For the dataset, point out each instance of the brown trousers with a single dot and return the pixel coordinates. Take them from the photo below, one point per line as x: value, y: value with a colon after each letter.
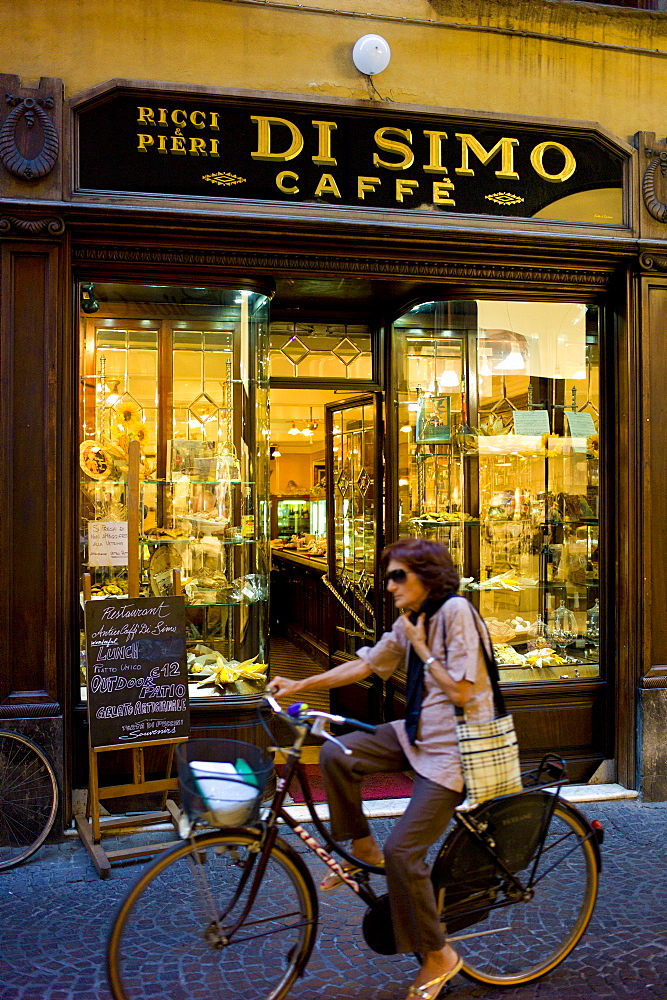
x: 413, y: 906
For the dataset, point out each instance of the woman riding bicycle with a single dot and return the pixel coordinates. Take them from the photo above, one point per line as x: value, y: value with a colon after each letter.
x: 437, y: 638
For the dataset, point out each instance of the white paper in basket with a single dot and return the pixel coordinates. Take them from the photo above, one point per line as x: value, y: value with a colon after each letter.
x: 229, y: 801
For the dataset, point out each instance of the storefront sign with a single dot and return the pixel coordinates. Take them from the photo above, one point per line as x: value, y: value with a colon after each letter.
x: 375, y: 157
x: 136, y: 670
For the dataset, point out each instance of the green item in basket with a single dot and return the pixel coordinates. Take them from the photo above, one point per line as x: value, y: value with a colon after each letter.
x: 246, y: 772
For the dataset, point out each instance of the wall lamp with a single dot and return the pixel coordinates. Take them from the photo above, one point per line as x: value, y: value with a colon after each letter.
x: 371, y: 54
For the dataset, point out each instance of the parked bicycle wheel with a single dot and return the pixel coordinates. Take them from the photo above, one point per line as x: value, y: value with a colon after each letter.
x: 503, y: 937
x: 169, y: 938
x: 28, y: 798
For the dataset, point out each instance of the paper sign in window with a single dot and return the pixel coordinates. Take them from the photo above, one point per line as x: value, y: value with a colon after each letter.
x: 107, y: 543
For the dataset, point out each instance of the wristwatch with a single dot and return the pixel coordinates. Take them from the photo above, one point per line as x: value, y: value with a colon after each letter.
x: 431, y: 659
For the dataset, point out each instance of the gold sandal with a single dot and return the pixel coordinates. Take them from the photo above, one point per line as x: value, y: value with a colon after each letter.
x: 332, y: 881
x: 424, y: 992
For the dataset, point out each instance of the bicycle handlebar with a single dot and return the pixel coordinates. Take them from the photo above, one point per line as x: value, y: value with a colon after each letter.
x: 300, y: 711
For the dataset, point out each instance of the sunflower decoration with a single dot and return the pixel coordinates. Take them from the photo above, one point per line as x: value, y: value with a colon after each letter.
x: 127, y: 419
x: 593, y: 445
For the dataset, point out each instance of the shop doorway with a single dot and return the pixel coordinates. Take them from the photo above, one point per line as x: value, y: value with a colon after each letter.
x: 301, y: 625
x: 314, y: 366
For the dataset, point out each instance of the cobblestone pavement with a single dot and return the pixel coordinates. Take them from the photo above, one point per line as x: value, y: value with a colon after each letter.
x: 55, y: 914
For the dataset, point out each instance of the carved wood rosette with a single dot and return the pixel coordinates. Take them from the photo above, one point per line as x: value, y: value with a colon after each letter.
x: 30, y: 138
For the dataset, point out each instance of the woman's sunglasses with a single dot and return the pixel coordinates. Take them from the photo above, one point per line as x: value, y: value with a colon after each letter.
x: 397, y: 575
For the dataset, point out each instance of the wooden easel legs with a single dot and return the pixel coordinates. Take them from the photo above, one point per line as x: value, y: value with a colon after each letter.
x: 92, y: 827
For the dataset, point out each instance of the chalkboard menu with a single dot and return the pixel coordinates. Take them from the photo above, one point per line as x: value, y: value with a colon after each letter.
x: 137, y: 674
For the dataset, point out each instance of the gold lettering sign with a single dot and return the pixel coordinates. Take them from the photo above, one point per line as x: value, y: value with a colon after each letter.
x: 327, y: 185
x: 324, y: 157
x: 505, y: 146
x: 569, y: 167
x: 365, y: 184
x: 285, y: 175
x: 441, y: 194
x: 434, y: 165
x: 404, y: 186
x: 390, y: 146
x: 264, y: 151
x: 197, y: 147
x: 331, y: 141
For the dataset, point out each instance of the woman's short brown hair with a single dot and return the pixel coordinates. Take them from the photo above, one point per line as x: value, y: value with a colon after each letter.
x: 431, y: 562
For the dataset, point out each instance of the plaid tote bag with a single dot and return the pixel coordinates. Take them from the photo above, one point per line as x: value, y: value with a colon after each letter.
x: 489, y: 750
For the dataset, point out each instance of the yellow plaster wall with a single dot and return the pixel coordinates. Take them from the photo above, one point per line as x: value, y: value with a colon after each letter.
x: 445, y: 53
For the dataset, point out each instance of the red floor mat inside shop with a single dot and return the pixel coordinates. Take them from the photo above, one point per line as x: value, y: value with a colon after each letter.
x: 376, y: 786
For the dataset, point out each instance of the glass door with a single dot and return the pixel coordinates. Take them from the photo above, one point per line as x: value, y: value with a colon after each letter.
x: 354, y: 519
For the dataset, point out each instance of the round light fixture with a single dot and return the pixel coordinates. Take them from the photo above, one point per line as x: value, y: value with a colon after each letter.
x: 371, y: 54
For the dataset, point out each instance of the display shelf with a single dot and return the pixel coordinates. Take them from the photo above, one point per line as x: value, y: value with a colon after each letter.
x: 428, y: 522
x: 195, y: 541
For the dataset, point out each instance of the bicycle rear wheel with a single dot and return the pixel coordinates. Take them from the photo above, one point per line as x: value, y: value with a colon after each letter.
x: 28, y: 798
x: 505, y: 941
x: 168, y: 938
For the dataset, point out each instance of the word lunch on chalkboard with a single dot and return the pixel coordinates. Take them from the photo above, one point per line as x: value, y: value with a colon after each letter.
x: 137, y: 673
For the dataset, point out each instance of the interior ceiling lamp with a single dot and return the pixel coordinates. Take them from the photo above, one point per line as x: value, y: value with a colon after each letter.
x: 294, y: 430
x: 311, y: 426
x: 484, y: 369
x: 508, y: 350
x: 449, y: 379
x: 371, y: 54
x: 513, y: 363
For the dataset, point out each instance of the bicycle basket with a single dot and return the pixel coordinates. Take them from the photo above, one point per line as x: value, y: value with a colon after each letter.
x: 222, y: 781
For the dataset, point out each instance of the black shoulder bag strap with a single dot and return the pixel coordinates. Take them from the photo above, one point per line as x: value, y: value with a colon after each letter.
x: 490, y: 661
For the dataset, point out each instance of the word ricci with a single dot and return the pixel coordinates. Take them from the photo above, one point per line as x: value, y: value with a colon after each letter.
x: 279, y: 140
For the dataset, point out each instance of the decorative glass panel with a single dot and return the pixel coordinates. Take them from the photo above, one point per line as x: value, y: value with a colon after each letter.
x: 320, y: 350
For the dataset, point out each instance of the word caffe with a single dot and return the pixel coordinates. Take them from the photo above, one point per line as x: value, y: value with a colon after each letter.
x: 279, y: 140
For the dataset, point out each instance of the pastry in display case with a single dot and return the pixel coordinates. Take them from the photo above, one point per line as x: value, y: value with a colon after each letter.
x: 499, y: 460
x: 179, y: 370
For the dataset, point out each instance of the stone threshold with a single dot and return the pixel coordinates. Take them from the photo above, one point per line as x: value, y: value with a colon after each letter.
x: 383, y: 808
x: 387, y: 808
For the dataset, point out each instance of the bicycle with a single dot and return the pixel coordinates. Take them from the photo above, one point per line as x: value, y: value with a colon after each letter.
x: 234, y: 913
x: 28, y: 798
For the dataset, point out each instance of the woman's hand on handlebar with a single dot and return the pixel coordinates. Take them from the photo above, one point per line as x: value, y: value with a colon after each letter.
x: 283, y: 687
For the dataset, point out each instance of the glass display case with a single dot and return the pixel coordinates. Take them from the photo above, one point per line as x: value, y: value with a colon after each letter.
x: 291, y: 516
x: 498, y: 429
x: 184, y: 372
x: 318, y: 518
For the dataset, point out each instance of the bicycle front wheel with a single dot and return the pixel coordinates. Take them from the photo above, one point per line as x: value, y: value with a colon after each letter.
x: 169, y: 939
x: 507, y: 941
x: 28, y: 798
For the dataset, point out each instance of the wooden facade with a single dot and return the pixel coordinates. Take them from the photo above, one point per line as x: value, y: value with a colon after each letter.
x: 54, y: 235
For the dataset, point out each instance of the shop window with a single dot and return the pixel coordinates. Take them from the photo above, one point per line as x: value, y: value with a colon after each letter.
x: 183, y: 371
x: 498, y: 431
x: 320, y: 350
